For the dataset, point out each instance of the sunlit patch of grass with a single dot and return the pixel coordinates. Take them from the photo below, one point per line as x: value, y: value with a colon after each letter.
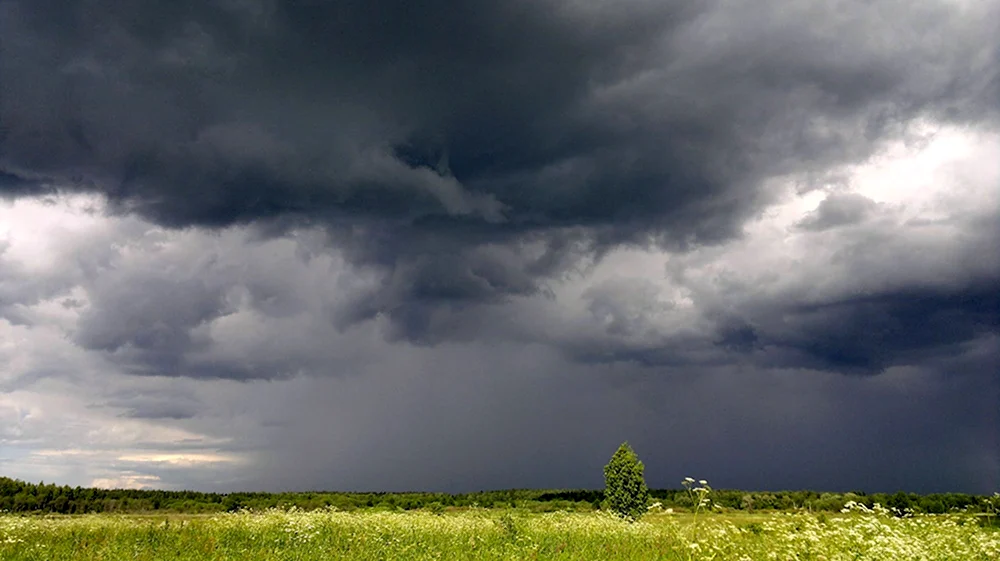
x: 496, y: 534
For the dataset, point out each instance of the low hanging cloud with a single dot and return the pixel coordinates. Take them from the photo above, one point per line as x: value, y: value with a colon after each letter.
x: 839, y: 210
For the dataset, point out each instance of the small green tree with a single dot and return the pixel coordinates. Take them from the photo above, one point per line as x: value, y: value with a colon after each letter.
x: 625, y: 491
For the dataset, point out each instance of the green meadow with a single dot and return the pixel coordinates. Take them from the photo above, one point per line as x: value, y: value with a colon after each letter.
x: 858, y: 534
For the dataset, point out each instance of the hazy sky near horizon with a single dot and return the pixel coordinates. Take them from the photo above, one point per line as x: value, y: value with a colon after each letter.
x: 306, y: 244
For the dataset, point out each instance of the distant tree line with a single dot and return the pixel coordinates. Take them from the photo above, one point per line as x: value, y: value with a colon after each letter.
x: 22, y: 497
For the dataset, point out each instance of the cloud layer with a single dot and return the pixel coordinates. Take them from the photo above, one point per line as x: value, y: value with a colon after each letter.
x: 473, y: 235
x: 421, y: 138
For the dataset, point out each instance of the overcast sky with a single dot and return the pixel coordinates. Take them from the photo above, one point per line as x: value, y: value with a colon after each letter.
x: 386, y: 245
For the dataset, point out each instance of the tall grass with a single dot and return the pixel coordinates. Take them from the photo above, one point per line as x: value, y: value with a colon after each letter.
x: 494, y: 534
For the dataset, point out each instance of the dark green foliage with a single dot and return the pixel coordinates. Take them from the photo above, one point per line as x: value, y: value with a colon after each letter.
x: 510, y: 526
x: 625, y: 492
x: 436, y: 507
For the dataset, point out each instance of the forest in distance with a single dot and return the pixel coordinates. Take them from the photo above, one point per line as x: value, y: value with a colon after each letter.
x: 18, y: 496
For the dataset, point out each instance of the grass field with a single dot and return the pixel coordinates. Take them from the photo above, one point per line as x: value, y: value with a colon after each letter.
x: 497, y: 534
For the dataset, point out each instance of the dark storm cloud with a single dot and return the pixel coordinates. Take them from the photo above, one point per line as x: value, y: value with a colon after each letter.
x: 867, y: 334
x: 420, y: 136
x: 838, y: 210
x: 164, y: 403
x: 148, y: 322
x: 863, y: 335
x: 861, y: 298
x: 13, y: 185
x: 899, y: 302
